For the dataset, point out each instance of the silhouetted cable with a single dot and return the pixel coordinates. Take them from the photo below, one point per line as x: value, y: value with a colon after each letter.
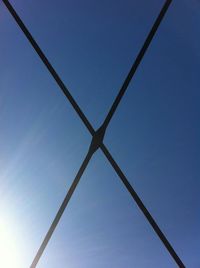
x: 142, y: 207
x: 49, y: 66
x: 97, y: 139
x: 136, y: 63
x: 61, y: 209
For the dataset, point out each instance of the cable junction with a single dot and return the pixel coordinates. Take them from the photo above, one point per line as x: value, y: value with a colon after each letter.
x: 98, y: 136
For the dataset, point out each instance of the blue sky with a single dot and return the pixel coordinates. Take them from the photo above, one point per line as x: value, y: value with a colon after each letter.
x: 154, y: 135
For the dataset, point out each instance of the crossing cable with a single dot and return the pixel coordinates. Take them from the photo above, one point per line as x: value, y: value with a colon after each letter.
x: 61, y: 209
x: 98, y: 138
x: 142, y: 207
x: 49, y: 66
x: 92, y: 149
x: 136, y: 63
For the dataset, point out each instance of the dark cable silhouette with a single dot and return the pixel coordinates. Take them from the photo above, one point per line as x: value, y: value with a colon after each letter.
x: 49, y: 67
x: 143, y: 208
x: 136, y: 63
x: 61, y: 209
x: 97, y: 140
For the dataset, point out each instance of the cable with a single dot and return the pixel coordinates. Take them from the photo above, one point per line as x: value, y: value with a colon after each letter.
x: 142, y: 207
x: 97, y: 136
x: 94, y: 145
x: 136, y: 63
x: 61, y: 209
x: 49, y: 66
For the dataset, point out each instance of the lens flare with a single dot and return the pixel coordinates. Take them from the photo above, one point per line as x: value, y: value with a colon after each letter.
x: 9, y: 247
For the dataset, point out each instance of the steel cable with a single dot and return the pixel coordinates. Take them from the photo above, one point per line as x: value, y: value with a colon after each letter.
x: 61, y: 209
x: 49, y: 66
x: 91, y: 130
x: 142, y: 207
x: 136, y: 63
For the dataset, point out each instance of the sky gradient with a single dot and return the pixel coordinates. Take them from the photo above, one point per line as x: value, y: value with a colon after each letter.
x: 154, y: 135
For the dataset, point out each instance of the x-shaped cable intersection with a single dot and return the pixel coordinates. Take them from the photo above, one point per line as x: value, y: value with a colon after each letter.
x: 98, y: 135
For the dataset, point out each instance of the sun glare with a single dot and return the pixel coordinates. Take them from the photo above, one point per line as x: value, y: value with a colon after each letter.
x: 9, y: 247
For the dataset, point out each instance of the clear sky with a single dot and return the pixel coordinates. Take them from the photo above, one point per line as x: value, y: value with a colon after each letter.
x: 154, y: 135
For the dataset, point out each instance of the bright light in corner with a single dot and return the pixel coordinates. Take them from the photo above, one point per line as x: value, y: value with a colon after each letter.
x: 9, y: 247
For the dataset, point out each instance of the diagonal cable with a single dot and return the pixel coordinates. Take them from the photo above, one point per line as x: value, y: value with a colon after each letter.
x: 142, y: 207
x: 49, y: 66
x: 77, y: 108
x: 136, y: 63
x: 61, y: 209
x: 92, y: 149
